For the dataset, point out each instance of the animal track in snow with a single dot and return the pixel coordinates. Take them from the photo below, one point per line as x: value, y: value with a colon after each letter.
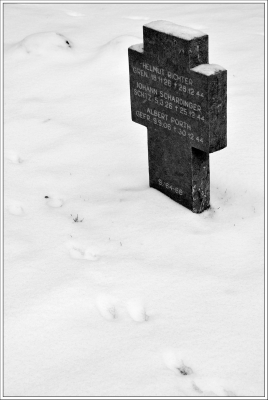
x: 15, y: 208
x: 193, y: 383
x: 175, y: 362
x: 136, y: 310
x: 77, y: 251
x: 54, y: 201
x: 106, y: 305
x: 43, y: 44
x: 91, y: 254
x: 211, y: 387
x: 14, y: 157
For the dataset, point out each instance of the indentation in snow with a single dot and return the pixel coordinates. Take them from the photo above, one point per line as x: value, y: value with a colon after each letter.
x: 91, y: 254
x: 79, y: 251
x: 14, y: 157
x: 43, y: 43
x: 209, y: 386
x: 106, y: 305
x: 55, y: 201
x: 136, y: 310
x: 175, y: 361
x: 15, y: 208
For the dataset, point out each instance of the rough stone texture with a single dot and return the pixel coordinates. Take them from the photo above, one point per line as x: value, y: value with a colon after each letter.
x: 183, y: 109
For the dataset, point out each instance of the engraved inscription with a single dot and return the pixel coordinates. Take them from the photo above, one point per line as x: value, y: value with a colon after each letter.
x: 164, y: 121
x: 170, y: 187
x: 172, y: 102
x: 181, y: 100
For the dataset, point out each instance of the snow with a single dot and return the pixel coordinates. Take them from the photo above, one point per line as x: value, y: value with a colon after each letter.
x: 138, y: 47
x: 43, y: 43
x: 208, y: 69
x: 110, y: 286
x: 182, y: 32
x: 137, y: 310
x: 107, y: 306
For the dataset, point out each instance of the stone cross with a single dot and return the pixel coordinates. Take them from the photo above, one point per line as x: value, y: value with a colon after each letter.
x: 182, y: 100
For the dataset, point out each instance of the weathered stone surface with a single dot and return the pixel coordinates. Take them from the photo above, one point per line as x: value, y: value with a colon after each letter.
x: 182, y: 101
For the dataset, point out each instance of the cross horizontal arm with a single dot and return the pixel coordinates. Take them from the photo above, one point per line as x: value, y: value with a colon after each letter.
x: 167, y: 42
x: 212, y: 80
x: 136, y: 57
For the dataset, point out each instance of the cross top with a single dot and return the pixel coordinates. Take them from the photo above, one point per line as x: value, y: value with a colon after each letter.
x: 168, y: 43
x: 182, y: 101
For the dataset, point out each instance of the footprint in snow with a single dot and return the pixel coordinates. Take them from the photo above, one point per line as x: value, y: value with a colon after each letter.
x: 106, y: 305
x: 15, y: 208
x: 211, y: 387
x: 91, y: 254
x: 42, y: 44
x: 189, y: 379
x: 176, y: 362
x: 14, y: 157
x: 77, y: 251
x: 137, y: 311
x: 54, y: 201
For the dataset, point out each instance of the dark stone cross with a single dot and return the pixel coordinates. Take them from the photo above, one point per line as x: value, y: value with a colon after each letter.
x: 182, y: 100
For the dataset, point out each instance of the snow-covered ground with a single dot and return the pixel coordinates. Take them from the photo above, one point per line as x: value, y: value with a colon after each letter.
x: 111, y: 288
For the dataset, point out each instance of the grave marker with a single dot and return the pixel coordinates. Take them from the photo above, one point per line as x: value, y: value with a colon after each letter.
x: 182, y: 100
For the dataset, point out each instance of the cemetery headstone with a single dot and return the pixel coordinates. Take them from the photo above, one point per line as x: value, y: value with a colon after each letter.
x: 182, y: 101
